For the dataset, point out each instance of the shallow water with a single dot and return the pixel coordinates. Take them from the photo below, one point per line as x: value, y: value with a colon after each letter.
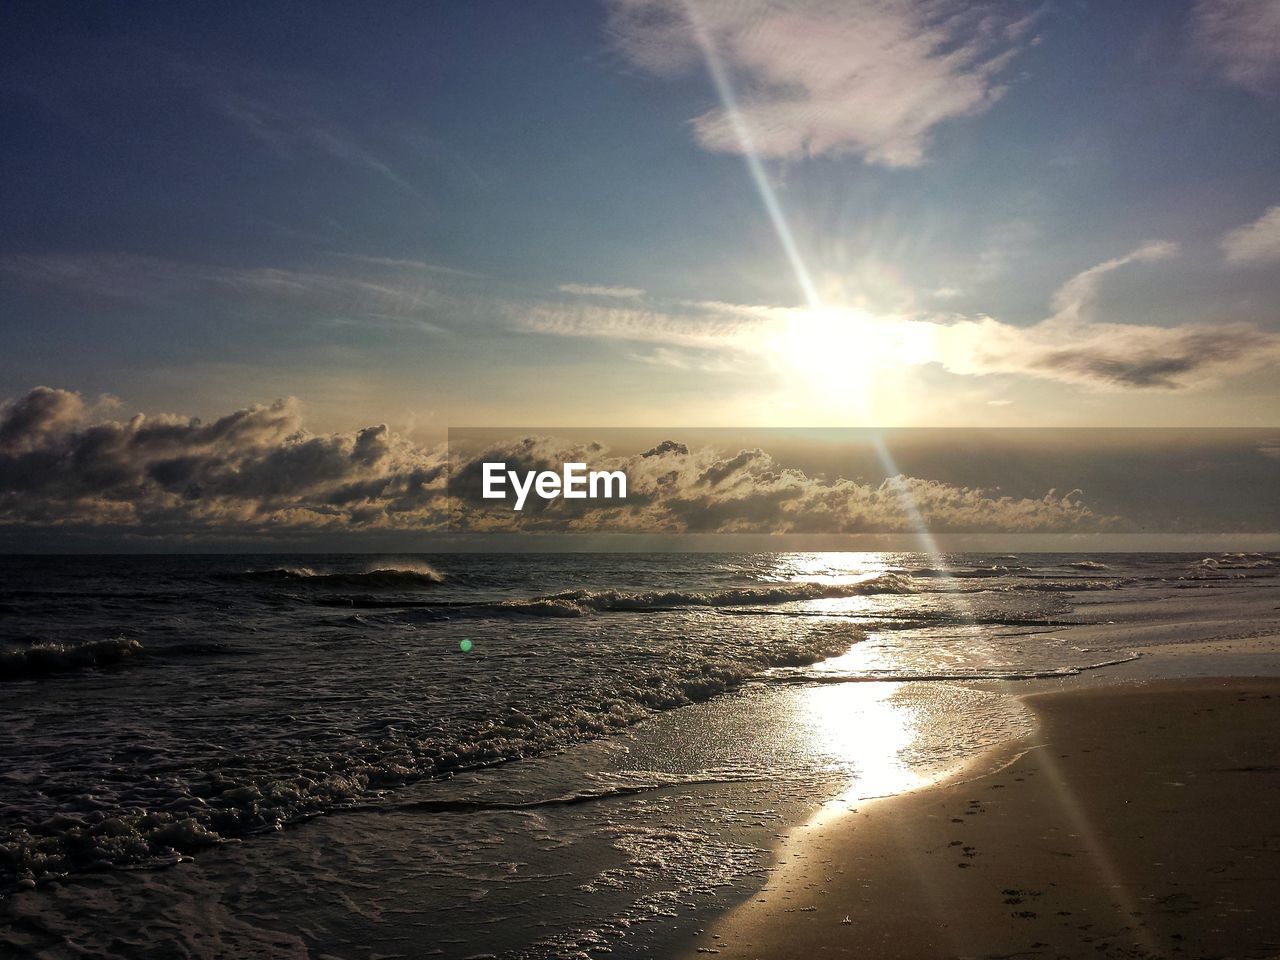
x: 671, y: 714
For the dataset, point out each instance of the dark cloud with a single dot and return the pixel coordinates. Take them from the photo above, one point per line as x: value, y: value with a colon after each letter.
x: 723, y: 469
x: 28, y: 421
x: 665, y: 447
x: 252, y: 470
x: 1170, y: 367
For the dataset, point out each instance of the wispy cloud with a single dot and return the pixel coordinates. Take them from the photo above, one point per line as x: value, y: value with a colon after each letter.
x: 423, y: 265
x: 274, y: 110
x: 1111, y: 356
x: 1078, y: 294
x: 355, y: 287
x: 1073, y: 345
x: 871, y: 78
x: 588, y: 290
x: 1257, y: 242
x: 1242, y: 39
x: 698, y: 325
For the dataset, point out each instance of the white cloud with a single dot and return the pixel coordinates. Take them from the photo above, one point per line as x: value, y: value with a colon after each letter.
x: 1257, y: 242
x: 1070, y: 346
x: 871, y: 78
x: 287, y: 127
x: 361, y: 288
x: 1106, y: 355
x: 701, y: 325
x: 589, y: 290
x: 1242, y: 38
x: 1077, y: 295
x: 828, y: 346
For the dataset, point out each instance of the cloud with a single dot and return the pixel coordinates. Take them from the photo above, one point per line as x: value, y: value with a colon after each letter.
x: 586, y: 290
x: 254, y: 470
x: 1071, y: 346
x: 1169, y: 360
x: 373, y: 289
x: 1257, y: 242
x: 674, y: 489
x: 870, y: 78
x: 1074, y: 297
x: 259, y: 472
x: 1242, y: 39
x: 709, y: 325
x: 422, y: 265
x: 287, y: 126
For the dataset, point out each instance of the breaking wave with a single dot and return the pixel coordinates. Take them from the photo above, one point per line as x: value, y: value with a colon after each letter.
x: 1067, y: 586
x: 879, y: 676
x: 42, y: 659
x: 972, y: 573
x: 576, y: 603
x: 1238, y: 561
x: 261, y: 794
x: 386, y: 578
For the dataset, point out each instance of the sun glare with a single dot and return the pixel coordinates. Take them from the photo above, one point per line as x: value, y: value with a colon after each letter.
x: 841, y: 354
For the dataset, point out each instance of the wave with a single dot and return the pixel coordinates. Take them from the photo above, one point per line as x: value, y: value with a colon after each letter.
x: 385, y: 578
x: 1237, y: 561
x: 1087, y: 565
x: 998, y: 570
x: 881, y: 676
x: 654, y: 783
x: 1067, y: 586
x: 216, y: 805
x: 580, y: 603
x: 576, y: 603
x: 42, y: 659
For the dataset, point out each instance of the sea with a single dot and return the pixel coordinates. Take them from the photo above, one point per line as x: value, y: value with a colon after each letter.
x: 518, y: 755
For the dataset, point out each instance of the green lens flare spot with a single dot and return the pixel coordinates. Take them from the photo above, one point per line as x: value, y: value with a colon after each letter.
x: 465, y: 645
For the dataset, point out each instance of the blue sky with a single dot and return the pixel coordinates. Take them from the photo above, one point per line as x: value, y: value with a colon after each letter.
x: 429, y: 214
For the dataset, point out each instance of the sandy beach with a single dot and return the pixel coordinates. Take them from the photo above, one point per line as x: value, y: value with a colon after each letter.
x: 1030, y: 765
x: 1137, y: 821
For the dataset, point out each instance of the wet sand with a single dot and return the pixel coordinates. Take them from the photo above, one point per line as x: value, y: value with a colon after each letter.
x: 1137, y: 821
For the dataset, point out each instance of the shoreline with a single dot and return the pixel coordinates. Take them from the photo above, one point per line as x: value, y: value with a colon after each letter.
x: 1164, y: 841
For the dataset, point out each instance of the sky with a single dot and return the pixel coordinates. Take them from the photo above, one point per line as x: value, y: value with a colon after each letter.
x: 749, y: 213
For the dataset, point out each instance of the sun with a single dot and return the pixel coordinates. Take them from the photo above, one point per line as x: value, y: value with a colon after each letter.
x: 843, y: 355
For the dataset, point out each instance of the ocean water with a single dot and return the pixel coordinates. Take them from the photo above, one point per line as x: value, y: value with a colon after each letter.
x: 514, y: 755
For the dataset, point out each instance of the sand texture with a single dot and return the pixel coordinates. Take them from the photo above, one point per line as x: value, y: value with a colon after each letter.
x: 1138, y: 821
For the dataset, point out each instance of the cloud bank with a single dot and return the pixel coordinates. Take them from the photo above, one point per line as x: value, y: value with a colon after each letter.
x: 870, y: 78
x: 258, y: 472
x: 677, y: 490
x: 253, y: 471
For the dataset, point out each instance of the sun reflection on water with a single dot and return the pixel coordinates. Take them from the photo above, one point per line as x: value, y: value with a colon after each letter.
x: 829, y: 567
x: 865, y: 729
